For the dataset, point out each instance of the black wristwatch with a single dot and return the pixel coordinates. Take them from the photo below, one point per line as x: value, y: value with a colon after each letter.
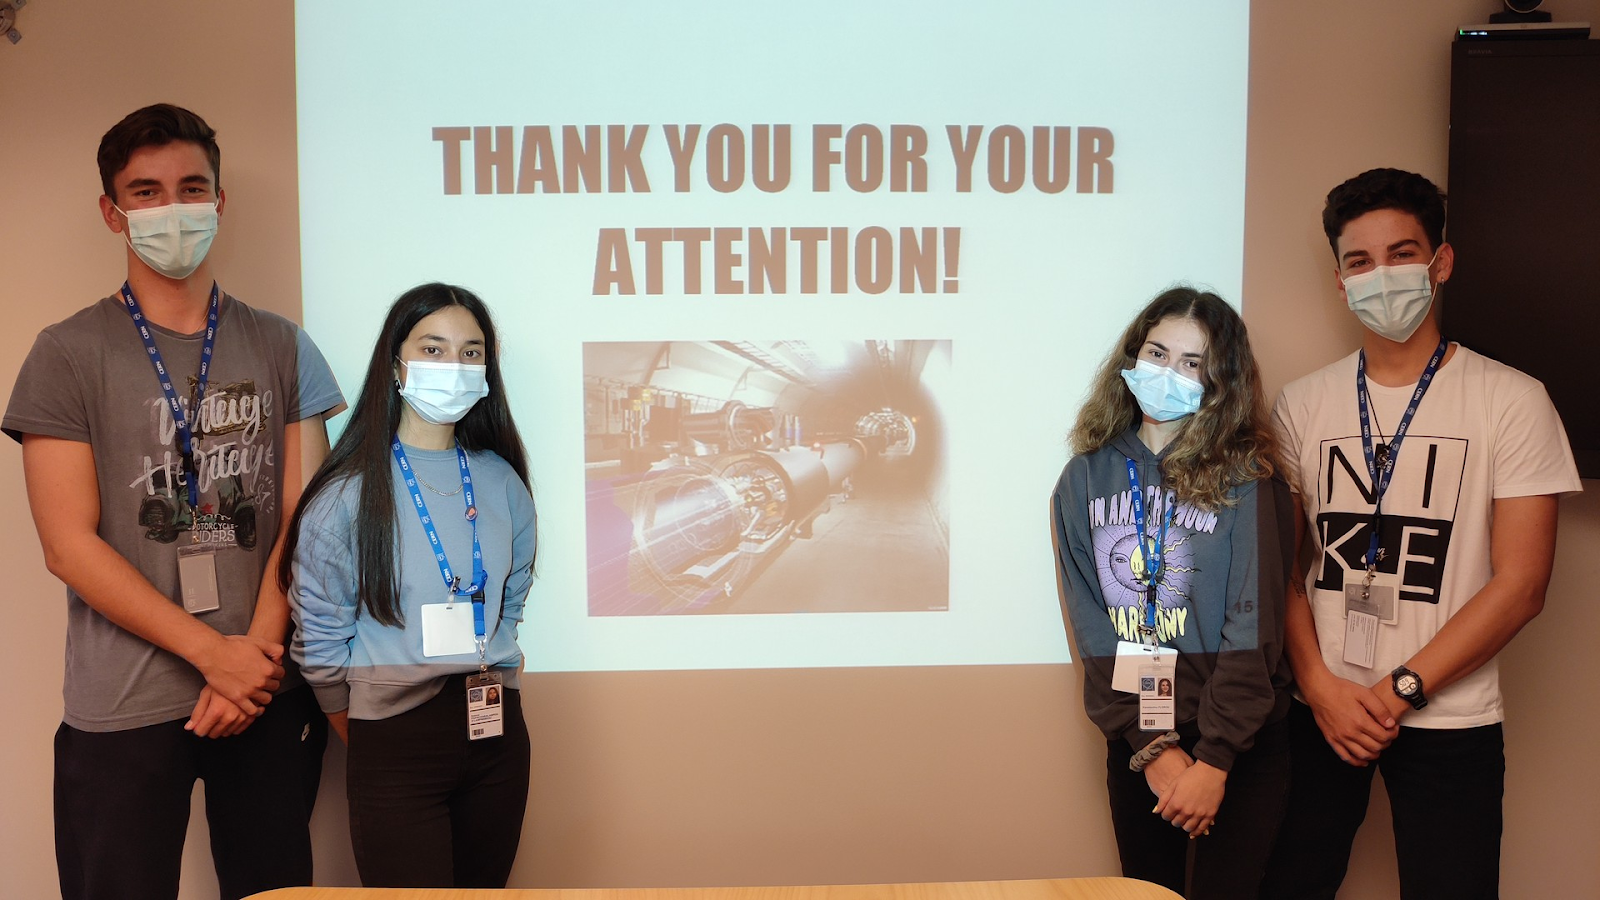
x: 1408, y: 687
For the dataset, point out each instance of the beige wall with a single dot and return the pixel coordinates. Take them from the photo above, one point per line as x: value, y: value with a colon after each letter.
x: 771, y: 776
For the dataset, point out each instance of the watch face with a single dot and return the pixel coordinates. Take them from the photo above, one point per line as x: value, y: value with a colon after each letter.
x: 1406, y: 684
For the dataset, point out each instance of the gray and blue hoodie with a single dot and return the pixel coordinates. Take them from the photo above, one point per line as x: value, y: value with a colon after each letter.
x: 1221, y: 596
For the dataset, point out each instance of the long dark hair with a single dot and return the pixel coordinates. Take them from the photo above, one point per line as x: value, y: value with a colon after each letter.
x: 1226, y: 443
x: 363, y: 450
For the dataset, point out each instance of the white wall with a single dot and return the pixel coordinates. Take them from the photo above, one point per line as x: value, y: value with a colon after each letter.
x: 771, y: 777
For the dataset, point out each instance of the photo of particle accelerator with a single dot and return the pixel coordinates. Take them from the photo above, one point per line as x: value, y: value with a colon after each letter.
x: 742, y: 477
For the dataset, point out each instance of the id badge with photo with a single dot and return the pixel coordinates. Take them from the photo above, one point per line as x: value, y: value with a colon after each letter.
x: 447, y: 629
x: 1130, y: 657
x: 486, y: 698
x: 1158, y: 689
x: 197, y: 579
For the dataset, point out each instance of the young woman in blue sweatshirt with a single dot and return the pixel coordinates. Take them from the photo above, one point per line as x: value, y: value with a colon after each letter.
x: 408, y: 562
x: 1184, y: 589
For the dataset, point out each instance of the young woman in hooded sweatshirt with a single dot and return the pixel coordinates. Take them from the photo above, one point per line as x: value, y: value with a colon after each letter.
x: 1171, y: 544
x: 408, y: 561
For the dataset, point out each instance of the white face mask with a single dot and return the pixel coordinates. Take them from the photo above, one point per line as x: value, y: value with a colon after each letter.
x: 172, y: 239
x: 1392, y: 301
x: 1162, y: 393
x: 440, y: 392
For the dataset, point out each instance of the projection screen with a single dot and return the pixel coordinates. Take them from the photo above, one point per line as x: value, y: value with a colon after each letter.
x: 797, y: 301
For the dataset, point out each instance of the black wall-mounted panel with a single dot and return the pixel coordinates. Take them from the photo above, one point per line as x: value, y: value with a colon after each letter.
x: 1524, y: 218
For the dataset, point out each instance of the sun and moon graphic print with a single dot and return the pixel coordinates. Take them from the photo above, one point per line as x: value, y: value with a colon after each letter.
x: 1120, y: 560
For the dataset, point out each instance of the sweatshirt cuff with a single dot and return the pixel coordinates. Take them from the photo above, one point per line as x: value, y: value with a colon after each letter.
x: 1215, y: 753
x: 333, y: 697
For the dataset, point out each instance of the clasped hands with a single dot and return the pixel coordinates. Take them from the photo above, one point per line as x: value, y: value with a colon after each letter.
x: 1188, y: 791
x: 1358, y: 722
x: 241, y: 672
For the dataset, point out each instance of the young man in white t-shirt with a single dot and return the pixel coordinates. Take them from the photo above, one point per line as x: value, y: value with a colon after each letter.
x: 1456, y: 462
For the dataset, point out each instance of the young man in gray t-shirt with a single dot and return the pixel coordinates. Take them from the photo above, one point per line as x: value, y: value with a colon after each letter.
x: 165, y: 434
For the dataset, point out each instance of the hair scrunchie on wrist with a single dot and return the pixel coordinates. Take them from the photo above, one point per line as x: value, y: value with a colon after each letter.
x: 1152, y: 750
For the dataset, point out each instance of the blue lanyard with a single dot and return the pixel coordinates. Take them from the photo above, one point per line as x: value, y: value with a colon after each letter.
x: 1380, y: 479
x: 451, y: 581
x: 207, y: 347
x: 1150, y: 551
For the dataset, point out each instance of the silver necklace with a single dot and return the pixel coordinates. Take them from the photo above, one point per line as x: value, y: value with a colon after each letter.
x: 439, y: 492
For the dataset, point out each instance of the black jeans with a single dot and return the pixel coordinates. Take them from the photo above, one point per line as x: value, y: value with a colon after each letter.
x: 1229, y: 861
x: 122, y: 803
x: 1445, y: 789
x: 430, y: 808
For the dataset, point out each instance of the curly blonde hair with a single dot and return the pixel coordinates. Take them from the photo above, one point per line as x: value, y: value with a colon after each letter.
x: 1229, y: 441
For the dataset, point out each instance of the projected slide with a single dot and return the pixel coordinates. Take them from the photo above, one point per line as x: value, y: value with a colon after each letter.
x: 797, y: 304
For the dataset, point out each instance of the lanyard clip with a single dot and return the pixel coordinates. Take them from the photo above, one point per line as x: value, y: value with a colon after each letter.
x: 1147, y: 634
x: 1147, y: 617
x: 480, y: 634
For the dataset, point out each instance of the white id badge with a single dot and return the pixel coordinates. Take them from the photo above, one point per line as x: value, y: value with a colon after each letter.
x: 485, y: 706
x: 1360, y: 638
x: 447, y: 629
x: 1361, y: 616
x: 197, y: 579
x: 1158, y: 682
x: 1130, y: 656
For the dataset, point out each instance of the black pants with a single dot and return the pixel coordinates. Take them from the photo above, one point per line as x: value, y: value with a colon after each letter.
x: 122, y: 803
x: 1229, y: 861
x: 1445, y: 791
x: 430, y: 808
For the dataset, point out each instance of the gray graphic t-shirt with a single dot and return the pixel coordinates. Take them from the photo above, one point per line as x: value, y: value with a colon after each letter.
x: 90, y: 379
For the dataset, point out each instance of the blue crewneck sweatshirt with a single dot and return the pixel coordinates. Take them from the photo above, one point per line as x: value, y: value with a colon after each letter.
x: 1221, y: 597
x: 377, y: 671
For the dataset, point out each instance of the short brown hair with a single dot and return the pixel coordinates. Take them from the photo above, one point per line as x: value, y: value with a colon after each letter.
x: 155, y: 126
x: 1375, y: 189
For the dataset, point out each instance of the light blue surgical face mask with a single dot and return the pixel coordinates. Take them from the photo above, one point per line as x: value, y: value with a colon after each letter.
x: 1162, y: 393
x: 1392, y: 301
x: 442, y: 393
x: 172, y: 239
